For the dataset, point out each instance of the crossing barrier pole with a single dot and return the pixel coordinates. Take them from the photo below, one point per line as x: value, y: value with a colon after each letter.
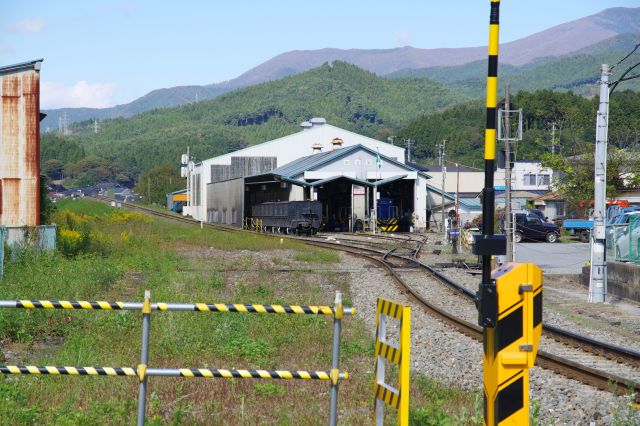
x: 335, y: 359
x: 144, y: 357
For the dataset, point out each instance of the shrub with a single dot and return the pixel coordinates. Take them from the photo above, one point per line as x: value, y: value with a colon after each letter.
x: 71, y: 243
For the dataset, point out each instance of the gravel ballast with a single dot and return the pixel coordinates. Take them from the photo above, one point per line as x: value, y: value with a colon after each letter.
x: 444, y: 354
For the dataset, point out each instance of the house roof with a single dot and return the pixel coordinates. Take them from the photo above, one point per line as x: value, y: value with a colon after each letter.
x: 522, y: 194
x: 549, y: 196
x: 470, y: 203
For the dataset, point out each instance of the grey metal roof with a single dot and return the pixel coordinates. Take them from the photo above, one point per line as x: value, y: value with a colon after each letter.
x: 303, y: 164
x: 471, y: 203
x: 298, y: 167
x: 35, y: 64
x: 439, y: 191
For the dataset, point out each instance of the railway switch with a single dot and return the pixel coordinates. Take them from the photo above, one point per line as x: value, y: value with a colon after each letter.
x: 511, y: 343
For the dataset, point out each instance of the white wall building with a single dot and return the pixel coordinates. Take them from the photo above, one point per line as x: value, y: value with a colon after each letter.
x: 527, y: 176
x: 279, y: 152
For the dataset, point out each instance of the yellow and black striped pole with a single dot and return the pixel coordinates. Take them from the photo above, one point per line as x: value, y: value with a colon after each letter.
x: 488, y: 244
x: 510, y: 298
x: 162, y: 306
x: 205, y: 373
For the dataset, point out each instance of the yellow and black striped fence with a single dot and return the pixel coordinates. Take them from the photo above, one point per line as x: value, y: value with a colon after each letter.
x: 142, y: 372
x: 170, y: 372
x: 399, y: 355
x: 160, y: 306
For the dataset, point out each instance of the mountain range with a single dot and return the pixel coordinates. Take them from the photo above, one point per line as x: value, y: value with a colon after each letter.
x: 578, y: 45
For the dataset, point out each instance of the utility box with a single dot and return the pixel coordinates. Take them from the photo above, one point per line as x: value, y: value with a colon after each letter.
x: 512, y: 343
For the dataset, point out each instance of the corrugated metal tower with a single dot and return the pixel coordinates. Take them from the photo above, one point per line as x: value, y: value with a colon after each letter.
x: 20, y: 144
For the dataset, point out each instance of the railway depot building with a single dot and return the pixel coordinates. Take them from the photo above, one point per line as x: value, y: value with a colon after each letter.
x: 359, y: 180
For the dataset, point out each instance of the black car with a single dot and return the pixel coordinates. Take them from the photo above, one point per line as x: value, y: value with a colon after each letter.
x: 533, y: 228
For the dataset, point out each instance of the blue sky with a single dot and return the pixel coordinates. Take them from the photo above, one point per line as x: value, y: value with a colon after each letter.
x: 102, y: 53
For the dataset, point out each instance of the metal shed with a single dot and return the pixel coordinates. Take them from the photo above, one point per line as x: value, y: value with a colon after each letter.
x: 20, y: 144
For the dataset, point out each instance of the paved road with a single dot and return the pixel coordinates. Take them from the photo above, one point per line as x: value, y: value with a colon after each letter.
x: 554, y: 258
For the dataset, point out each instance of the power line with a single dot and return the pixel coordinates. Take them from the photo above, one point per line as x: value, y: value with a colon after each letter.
x: 626, y: 56
x: 622, y: 78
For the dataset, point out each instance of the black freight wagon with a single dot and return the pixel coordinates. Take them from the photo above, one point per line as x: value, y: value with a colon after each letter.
x: 289, y: 217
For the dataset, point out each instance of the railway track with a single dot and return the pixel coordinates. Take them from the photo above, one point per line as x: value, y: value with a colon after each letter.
x: 586, y: 343
x: 568, y: 364
x: 571, y: 368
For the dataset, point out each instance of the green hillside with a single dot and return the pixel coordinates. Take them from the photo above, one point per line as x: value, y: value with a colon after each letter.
x: 345, y: 95
x: 463, y: 126
x: 576, y: 72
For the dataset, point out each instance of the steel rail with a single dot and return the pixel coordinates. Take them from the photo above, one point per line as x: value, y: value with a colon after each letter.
x: 589, y: 344
x: 567, y: 368
x: 588, y: 375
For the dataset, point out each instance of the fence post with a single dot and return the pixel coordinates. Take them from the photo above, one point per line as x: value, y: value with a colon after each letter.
x: 335, y: 359
x: 144, y: 357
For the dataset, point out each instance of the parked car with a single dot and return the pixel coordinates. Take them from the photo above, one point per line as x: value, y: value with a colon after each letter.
x: 623, y: 237
x: 528, y: 212
x: 624, y: 241
x: 531, y: 227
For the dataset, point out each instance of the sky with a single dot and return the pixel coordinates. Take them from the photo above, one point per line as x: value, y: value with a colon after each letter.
x: 102, y: 53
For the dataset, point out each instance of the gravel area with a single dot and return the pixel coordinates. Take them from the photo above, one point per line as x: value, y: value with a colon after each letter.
x: 446, y: 355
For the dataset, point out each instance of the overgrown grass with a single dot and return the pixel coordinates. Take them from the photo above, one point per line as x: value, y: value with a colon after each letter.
x: 83, y: 206
x: 180, y: 263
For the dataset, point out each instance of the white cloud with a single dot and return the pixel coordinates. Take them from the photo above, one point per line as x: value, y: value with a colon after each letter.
x: 402, y: 38
x: 81, y: 94
x: 5, y: 49
x: 27, y: 26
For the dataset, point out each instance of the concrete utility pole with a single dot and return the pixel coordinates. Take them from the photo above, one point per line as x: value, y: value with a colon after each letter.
x: 442, y: 148
x: 507, y: 178
x: 458, y: 224
x: 409, y: 143
x: 598, y: 271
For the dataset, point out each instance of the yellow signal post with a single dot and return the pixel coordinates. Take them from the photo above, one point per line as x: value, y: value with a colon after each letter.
x: 510, y: 346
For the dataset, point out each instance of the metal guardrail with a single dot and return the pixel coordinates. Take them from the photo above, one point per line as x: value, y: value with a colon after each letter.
x: 143, y: 372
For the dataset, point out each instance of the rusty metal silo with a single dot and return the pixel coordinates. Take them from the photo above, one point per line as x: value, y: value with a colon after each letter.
x: 20, y: 144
